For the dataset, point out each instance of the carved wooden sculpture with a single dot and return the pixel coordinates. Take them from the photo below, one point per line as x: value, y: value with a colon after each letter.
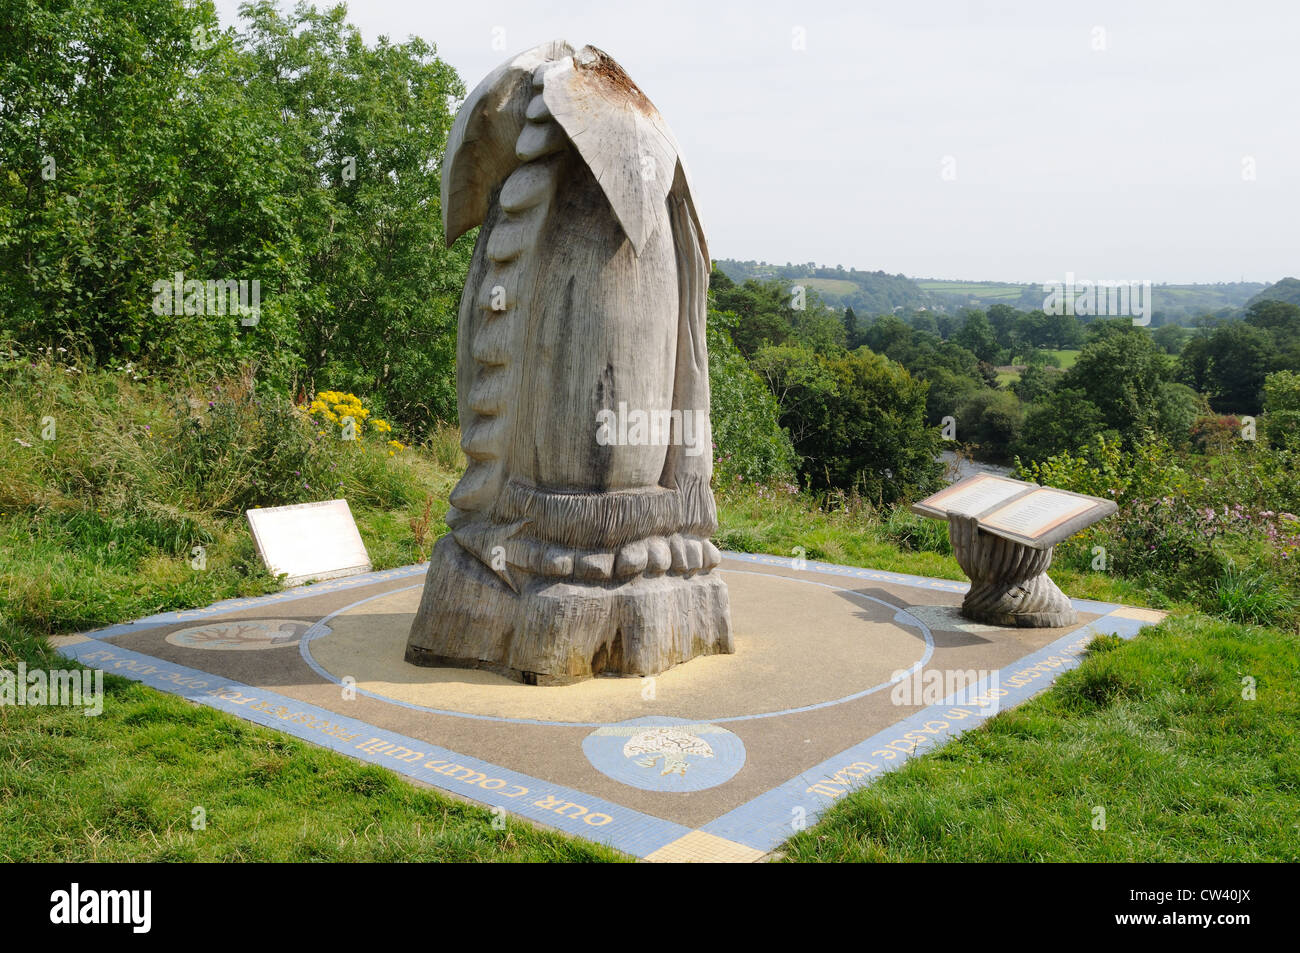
x: 579, y: 540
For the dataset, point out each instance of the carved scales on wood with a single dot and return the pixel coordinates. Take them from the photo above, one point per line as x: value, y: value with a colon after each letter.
x: 579, y: 540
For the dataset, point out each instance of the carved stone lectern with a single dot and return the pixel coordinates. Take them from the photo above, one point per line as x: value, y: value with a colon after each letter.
x: 1002, y: 534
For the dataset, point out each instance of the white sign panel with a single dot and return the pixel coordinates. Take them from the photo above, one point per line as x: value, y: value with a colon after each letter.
x: 309, y: 541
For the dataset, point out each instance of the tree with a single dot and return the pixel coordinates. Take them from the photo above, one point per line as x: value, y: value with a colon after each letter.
x: 889, y: 335
x: 857, y: 419
x: 1171, y: 338
x: 1177, y: 407
x: 138, y: 141
x: 990, y: 420
x: 1282, y: 409
x: 1239, y: 356
x: 767, y: 316
x: 1035, y: 381
x: 749, y: 443
x: 850, y: 329
x: 1062, y: 420
x: 977, y: 336
x: 362, y: 124
x: 1119, y: 374
x: 1006, y: 322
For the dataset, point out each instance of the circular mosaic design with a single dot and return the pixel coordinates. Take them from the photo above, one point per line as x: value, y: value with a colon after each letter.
x: 243, y: 635
x: 842, y: 644
x: 665, y: 754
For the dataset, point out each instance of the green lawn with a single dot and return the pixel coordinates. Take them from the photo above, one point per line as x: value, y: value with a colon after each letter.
x: 987, y: 290
x: 1067, y: 359
x: 835, y: 286
x: 1154, y: 732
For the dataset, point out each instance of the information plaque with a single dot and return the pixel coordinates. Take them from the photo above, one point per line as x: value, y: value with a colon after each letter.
x: 309, y: 541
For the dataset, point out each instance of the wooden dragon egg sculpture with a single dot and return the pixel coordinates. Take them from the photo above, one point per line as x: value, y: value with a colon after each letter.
x: 579, y: 540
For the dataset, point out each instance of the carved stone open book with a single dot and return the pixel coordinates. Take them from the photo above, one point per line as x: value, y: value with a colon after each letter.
x: 1037, y: 516
x: 579, y: 540
x: 1002, y: 533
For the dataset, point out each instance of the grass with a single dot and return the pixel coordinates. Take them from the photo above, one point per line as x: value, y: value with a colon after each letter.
x: 990, y: 290
x: 1066, y: 359
x: 835, y: 286
x: 1155, y: 732
x: 96, y: 529
x: 126, y: 786
x: 93, y: 531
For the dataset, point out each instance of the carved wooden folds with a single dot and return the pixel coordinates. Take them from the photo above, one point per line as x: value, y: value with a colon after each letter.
x: 579, y: 540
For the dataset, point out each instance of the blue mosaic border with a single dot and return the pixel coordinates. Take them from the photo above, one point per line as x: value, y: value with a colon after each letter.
x: 553, y: 804
x: 771, y: 818
x: 248, y: 602
x: 762, y: 823
x: 897, y: 578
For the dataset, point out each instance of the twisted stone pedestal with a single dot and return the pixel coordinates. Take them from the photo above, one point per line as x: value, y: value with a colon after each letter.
x: 1008, y: 580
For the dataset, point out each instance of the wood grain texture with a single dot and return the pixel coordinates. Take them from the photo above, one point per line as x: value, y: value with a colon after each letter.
x: 571, y: 555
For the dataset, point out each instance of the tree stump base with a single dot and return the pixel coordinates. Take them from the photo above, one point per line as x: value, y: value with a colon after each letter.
x: 556, y: 632
x: 1008, y: 580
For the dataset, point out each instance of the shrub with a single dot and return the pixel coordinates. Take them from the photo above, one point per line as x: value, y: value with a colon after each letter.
x: 1256, y: 598
x: 242, y: 448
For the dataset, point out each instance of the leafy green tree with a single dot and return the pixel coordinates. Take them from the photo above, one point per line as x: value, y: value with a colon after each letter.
x: 749, y: 443
x: 1281, y: 319
x: 1035, y: 381
x: 1006, y: 322
x: 1282, y: 409
x: 761, y: 309
x: 1171, y: 338
x: 1177, y: 407
x: 1120, y: 374
x: 978, y: 337
x: 850, y: 329
x: 888, y: 334
x: 948, y: 390
x: 139, y: 142
x: 989, y: 421
x: 116, y: 119
x: 1060, y: 421
x: 363, y: 125
x: 857, y: 419
x: 1240, y: 356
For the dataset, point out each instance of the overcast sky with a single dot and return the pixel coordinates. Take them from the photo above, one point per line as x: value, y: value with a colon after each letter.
x: 980, y: 140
